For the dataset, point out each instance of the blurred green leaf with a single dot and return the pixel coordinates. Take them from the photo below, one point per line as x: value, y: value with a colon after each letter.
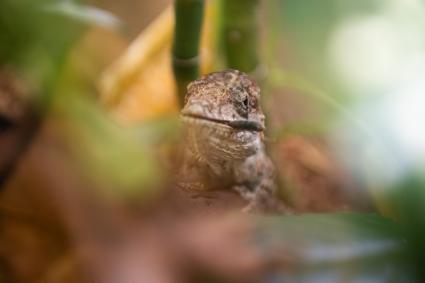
x: 406, y: 198
x: 336, y: 248
x: 306, y: 28
x: 36, y: 36
x: 123, y: 161
x: 84, y: 13
x: 285, y: 79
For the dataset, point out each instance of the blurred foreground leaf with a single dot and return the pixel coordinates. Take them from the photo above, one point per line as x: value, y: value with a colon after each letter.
x: 84, y: 13
x: 126, y: 161
x: 35, y: 40
x: 336, y: 248
x: 36, y: 36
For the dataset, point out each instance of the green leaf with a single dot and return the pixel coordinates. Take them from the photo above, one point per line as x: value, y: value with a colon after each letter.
x: 335, y: 248
x: 123, y: 161
x: 84, y: 13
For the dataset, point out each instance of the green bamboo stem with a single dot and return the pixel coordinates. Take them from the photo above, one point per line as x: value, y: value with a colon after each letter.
x: 187, y: 33
x: 240, y: 34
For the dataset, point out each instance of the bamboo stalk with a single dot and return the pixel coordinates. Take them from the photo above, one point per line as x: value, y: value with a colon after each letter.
x: 187, y: 33
x: 240, y: 34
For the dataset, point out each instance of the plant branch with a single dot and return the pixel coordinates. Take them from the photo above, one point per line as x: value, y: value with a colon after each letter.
x: 240, y: 34
x: 187, y: 34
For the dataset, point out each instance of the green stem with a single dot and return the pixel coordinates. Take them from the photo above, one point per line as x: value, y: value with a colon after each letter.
x: 240, y: 32
x: 187, y: 33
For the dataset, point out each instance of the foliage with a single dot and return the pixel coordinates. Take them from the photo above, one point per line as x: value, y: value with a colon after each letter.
x: 356, y: 60
x: 35, y: 36
x: 336, y: 247
x: 360, y: 61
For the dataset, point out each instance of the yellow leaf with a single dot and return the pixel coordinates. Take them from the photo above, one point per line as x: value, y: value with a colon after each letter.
x: 140, y: 84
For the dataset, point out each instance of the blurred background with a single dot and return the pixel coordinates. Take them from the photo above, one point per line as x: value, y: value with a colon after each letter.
x: 89, y: 136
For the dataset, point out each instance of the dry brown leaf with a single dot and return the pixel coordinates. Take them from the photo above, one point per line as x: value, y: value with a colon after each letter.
x: 140, y: 84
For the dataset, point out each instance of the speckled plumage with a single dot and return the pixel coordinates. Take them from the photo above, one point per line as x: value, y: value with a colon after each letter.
x: 223, y: 140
